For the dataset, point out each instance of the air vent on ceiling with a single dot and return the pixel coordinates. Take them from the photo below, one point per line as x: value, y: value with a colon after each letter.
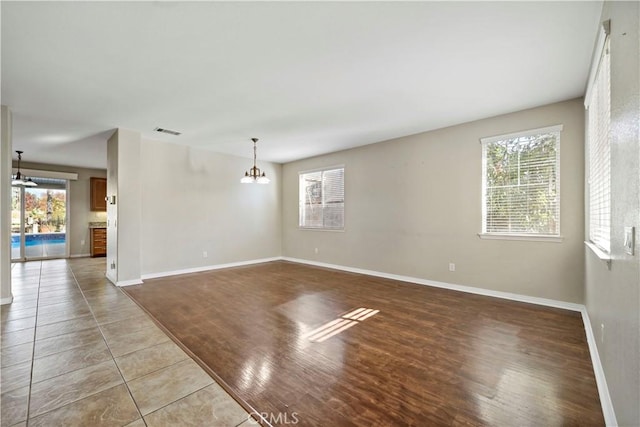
x: 169, y: 131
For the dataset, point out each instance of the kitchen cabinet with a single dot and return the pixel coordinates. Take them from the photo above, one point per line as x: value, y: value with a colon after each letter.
x: 98, y: 194
x: 98, y: 242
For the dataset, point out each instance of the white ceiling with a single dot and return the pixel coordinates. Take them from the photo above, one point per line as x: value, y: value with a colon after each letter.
x: 306, y: 78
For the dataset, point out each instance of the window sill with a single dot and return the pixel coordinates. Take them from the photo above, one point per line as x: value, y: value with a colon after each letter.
x: 602, y: 255
x: 332, y: 230
x: 523, y: 237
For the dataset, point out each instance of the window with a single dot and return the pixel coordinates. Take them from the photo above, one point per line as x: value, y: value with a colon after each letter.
x: 322, y: 199
x: 597, y: 101
x: 520, y: 185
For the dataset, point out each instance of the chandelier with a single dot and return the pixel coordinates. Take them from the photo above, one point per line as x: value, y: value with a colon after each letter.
x: 254, y: 174
x: 19, y: 179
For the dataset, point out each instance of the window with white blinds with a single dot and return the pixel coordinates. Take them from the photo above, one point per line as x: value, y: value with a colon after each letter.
x: 521, y: 185
x: 322, y: 199
x: 599, y: 154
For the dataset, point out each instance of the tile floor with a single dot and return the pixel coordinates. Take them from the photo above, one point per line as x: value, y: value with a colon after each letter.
x: 76, y: 351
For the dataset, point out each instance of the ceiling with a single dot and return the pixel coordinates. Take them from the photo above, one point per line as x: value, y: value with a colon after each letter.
x: 306, y: 78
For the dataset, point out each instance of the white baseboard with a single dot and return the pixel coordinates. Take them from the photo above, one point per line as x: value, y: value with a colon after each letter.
x: 79, y: 256
x: 7, y: 300
x: 129, y: 282
x: 469, y: 289
x: 603, y: 390
x: 601, y: 381
x: 208, y: 267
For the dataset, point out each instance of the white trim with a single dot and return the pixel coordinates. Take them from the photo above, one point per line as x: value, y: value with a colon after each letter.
x: 7, y: 300
x: 80, y: 255
x: 528, y: 132
x: 334, y: 230
x: 469, y: 289
x: 602, y: 255
x: 129, y: 282
x: 67, y: 224
x: 605, y: 29
x: 208, y: 267
x: 525, y: 237
x: 601, y: 381
x: 47, y: 174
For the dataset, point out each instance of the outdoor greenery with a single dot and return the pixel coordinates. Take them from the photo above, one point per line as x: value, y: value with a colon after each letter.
x: 521, y: 185
x: 45, y: 210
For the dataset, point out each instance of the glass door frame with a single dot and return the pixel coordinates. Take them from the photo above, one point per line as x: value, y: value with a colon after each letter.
x: 21, y: 235
x: 23, y: 252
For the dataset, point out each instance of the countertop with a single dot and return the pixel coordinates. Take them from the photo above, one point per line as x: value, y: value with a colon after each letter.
x: 97, y: 225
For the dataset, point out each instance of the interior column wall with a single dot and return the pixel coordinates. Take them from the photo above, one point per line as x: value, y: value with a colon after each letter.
x: 5, y: 206
x: 123, y: 207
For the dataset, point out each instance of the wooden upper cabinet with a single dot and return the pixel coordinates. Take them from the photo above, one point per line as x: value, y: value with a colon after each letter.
x: 98, y: 194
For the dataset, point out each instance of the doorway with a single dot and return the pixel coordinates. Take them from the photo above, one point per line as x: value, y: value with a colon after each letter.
x: 39, y: 220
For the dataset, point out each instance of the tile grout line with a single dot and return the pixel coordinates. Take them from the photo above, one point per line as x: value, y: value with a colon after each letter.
x: 33, y: 346
x: 143, y: 311
x: 157, y: 370
x: 35, y: 330
x: 124, y: 381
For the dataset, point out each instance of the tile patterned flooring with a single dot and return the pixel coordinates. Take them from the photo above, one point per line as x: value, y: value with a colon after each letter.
x: 76, y: 351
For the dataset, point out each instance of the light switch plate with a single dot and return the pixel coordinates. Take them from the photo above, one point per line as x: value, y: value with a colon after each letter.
x: 629, y: 239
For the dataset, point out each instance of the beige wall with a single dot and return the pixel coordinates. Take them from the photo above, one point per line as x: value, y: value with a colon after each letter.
x: 78, y: 203
x: 613, y: 296
x: 413, y: 205
x: 193, y: 201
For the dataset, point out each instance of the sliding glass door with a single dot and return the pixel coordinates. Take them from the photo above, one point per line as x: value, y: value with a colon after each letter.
x: 39, y: 220
x: 16, y: 224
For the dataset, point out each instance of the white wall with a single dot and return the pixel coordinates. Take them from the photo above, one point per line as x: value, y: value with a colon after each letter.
x: 193, y: 201
x: 5, y: 206
x: 613, y: 296
x: 413, y: 205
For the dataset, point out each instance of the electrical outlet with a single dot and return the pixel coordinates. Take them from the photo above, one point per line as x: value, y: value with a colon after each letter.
x: 204, y: 254
x: 113, y: 265
x: 316, y: 250
x: 81, y: 242
x: 602, y: 333
x: 452, y: 267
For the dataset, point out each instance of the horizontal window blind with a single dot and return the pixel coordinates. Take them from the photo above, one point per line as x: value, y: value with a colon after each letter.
x: 599, y: 155
x: 521, y: 183
x: 322, y: 199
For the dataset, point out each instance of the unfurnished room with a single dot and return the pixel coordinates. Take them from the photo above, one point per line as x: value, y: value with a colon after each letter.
x: 320, y: 213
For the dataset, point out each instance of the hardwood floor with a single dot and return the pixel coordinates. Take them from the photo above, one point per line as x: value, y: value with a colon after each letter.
x: 429, y: 356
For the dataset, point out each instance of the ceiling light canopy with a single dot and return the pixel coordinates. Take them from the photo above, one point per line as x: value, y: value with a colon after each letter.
x: 254, y: 174
x: 19, y: 179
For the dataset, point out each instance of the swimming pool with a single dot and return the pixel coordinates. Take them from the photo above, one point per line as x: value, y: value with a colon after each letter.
x: 40, y: 245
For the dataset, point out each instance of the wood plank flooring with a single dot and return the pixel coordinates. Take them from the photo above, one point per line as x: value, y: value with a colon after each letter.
x: 429, y: 357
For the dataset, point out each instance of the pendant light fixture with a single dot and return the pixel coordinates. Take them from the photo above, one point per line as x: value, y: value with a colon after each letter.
x: 253, y: 174
x: 19, y: 179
